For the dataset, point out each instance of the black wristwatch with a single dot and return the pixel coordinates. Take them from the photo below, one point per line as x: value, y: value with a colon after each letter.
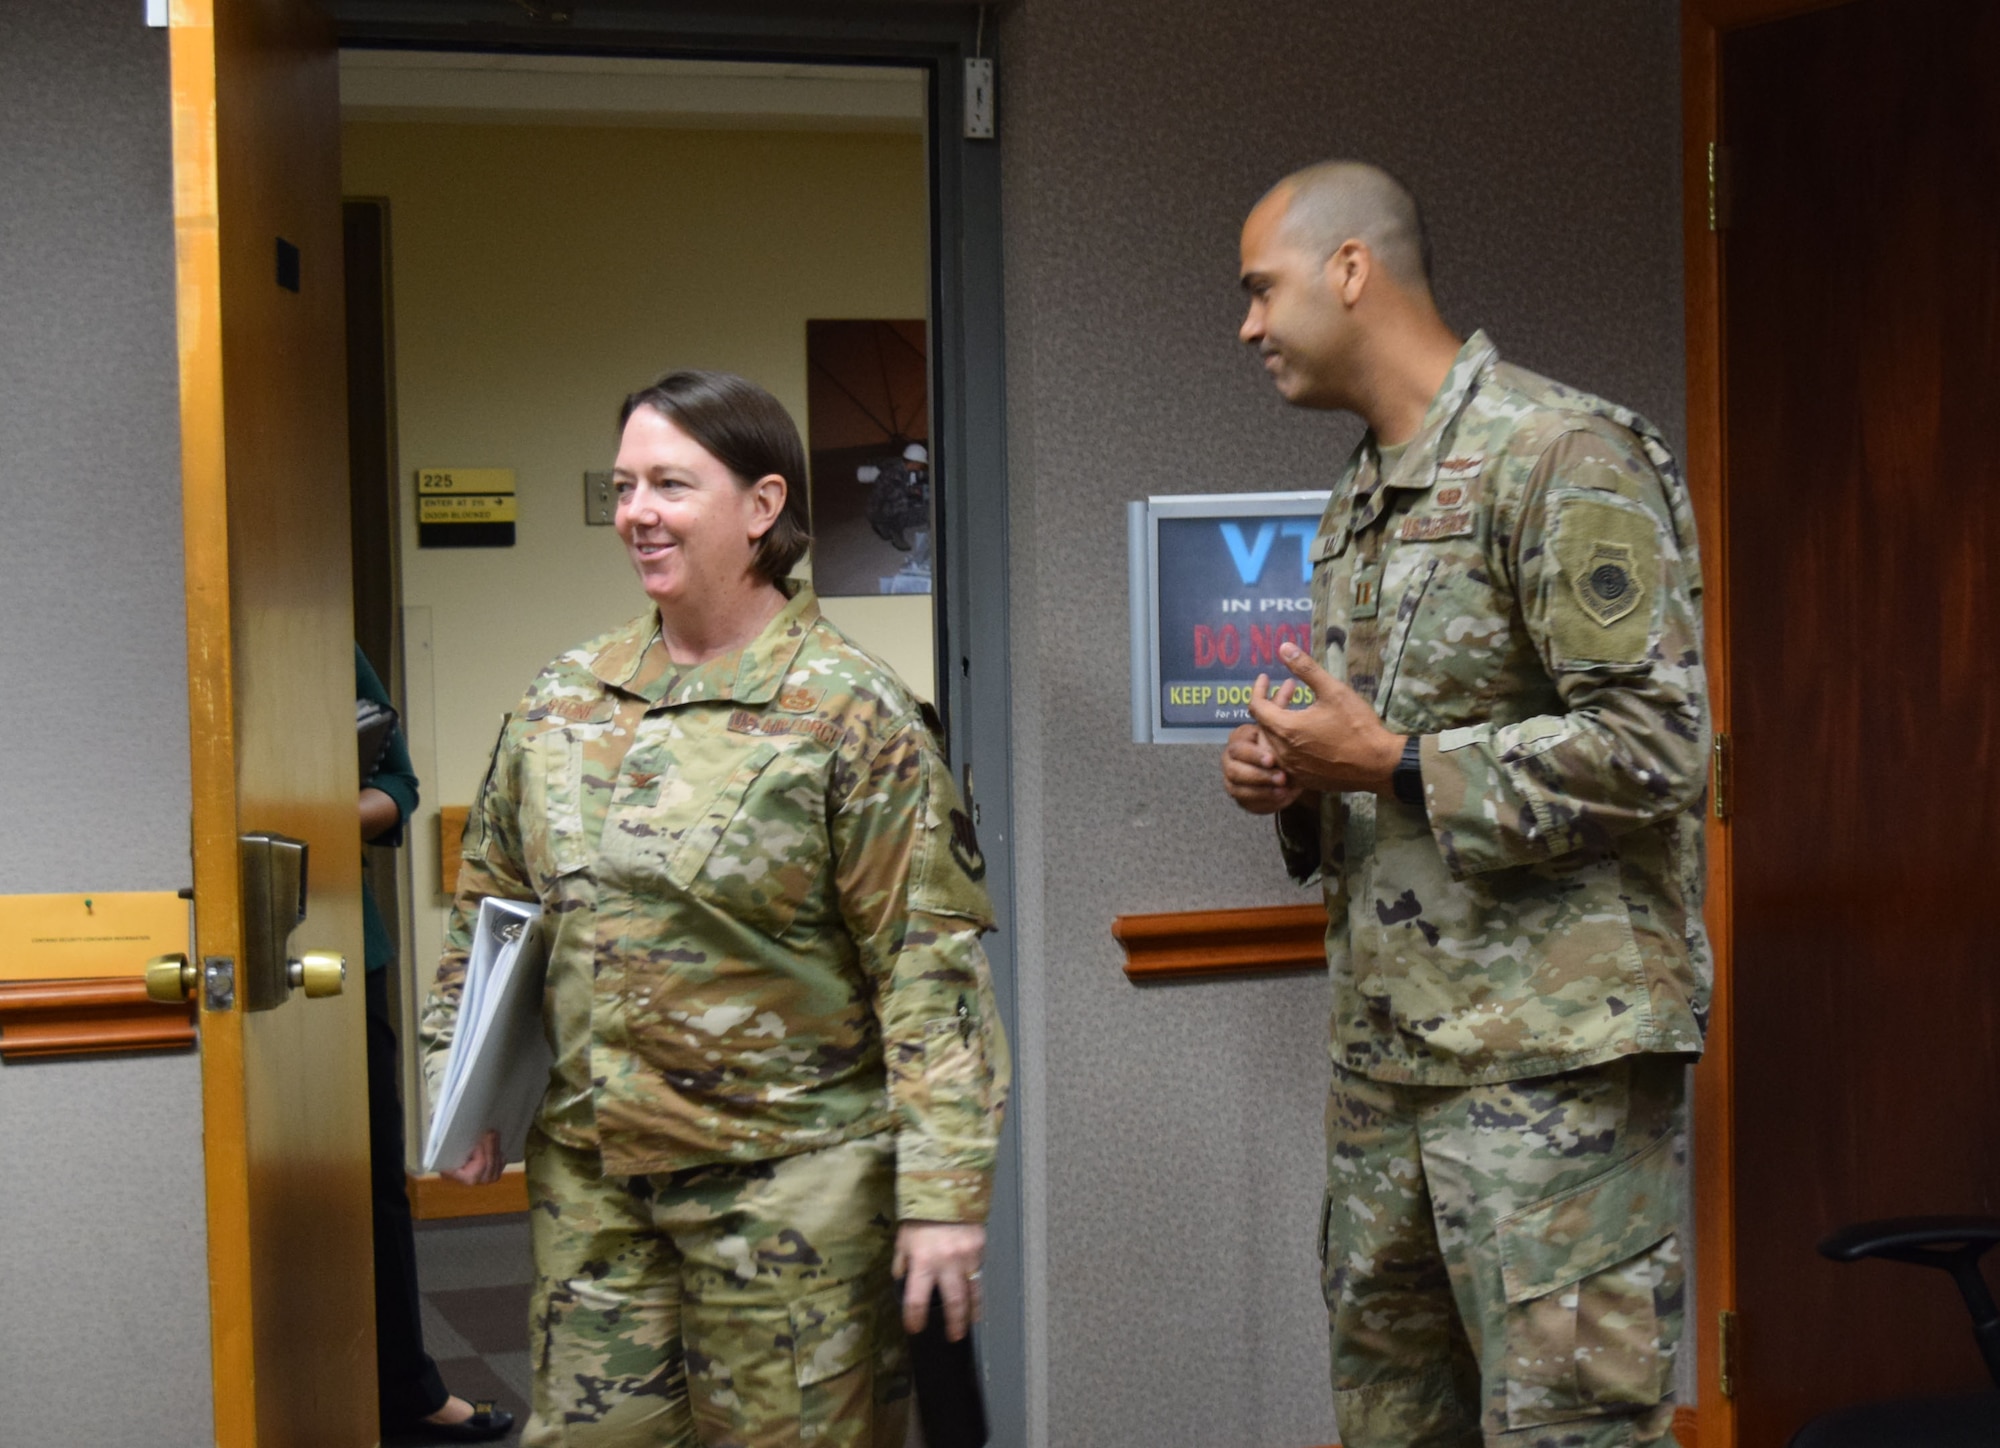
x: 1407, y: 783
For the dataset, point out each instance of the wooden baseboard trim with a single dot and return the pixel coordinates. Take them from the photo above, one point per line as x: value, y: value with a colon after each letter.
x: 435, y: 1199
x: 101, y: 1017
x: 1186, y: 944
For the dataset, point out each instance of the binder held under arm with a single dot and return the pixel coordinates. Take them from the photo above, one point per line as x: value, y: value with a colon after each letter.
x: 498, y: 1067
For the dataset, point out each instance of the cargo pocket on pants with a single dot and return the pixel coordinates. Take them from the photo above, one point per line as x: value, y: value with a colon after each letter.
x: 782, y: 1373
x: 849, y: 1355
x: 1594, y: 1282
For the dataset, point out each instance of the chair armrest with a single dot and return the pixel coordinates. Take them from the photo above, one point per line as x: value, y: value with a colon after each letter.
x: 1950, y: 1244
x: 1899, y: 1238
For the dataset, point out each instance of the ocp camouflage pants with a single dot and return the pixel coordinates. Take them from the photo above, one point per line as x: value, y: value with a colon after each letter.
x: 1500, y: 1263
x: 735, y: 1306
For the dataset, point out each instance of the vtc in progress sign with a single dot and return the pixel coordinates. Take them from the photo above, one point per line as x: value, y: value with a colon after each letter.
x: 1219, y: 582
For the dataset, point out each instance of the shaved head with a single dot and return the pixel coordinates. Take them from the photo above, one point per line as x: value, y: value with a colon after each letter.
x: 1335, y: 202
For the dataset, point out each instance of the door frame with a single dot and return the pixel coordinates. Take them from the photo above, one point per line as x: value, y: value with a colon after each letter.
x: 269, y: 674
x: 968, y: 423
x: 1704, y: 23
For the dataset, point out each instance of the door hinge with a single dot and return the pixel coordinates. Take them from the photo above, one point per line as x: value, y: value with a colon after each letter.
x: 1725, y: 1356
x: 1718, y: 776
x: 1718, y: 186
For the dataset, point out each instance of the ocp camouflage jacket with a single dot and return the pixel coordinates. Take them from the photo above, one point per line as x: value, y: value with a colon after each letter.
x: 1522, y: 591
x: 765, y: 907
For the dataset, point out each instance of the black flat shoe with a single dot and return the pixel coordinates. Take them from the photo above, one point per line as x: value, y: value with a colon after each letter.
x: 486, y: 1423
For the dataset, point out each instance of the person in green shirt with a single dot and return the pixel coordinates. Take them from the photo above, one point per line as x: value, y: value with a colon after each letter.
x: 410, y: 1391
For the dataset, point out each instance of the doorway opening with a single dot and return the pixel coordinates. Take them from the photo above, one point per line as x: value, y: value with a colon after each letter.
x: 531, y: 237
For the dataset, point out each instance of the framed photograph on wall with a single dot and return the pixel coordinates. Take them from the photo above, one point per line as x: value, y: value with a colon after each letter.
x: 868, y: 433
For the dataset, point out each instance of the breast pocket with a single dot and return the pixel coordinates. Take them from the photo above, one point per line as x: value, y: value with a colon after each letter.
x: 554, y: 844
x: 1451, y: 623
x: 758, y: 849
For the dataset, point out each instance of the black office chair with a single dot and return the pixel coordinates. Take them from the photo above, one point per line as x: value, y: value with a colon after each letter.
x: 1961, y: 1420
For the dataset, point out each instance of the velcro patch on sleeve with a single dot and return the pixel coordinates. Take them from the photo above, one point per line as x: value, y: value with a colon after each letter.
x: 1608, y: 555
x: 948, y: 875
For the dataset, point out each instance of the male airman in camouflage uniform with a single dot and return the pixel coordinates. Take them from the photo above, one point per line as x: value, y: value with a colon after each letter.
x: 774, y: 1030
x: 1494, y: 782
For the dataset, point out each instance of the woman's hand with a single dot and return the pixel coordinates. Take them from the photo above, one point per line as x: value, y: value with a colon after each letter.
x: 484, y: 1165
x: 945, y: 1255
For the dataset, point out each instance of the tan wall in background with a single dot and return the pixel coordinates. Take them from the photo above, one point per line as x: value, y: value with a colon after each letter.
x: 540, y: 274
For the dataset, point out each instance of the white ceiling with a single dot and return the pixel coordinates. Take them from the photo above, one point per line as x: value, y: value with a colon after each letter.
x: 462, y: 87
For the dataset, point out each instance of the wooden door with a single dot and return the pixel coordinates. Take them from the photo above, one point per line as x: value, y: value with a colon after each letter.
x: 271, y: 697
x: 1861, y: 349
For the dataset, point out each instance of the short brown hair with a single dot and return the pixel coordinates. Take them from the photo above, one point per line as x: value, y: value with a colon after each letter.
x: 749, y: 432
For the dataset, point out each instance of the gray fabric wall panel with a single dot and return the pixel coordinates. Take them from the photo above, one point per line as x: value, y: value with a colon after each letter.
x: 104, y: 1262
x: 1173, y: 1154
x: 92, y: 636
x: 104, y: 1327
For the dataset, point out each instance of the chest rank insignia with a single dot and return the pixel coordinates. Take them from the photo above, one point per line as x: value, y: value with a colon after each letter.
x: 1367, y: 592
x: 1605, y: 585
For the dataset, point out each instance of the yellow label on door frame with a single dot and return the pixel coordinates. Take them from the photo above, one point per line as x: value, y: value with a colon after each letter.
x: 103, y: 933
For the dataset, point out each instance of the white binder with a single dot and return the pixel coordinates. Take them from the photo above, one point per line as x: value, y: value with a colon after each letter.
x: 498, y: 1067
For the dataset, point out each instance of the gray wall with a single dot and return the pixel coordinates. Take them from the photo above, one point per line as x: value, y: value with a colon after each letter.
x: 1172, y: 1136
x: 103, y: 1300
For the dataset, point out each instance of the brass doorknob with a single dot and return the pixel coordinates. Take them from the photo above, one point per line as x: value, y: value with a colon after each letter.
x: 321, y: 973
x: 169, y: 978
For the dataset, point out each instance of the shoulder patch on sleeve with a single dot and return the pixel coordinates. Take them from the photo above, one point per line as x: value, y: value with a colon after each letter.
x: 947, y: 877
x: 1608, y: 556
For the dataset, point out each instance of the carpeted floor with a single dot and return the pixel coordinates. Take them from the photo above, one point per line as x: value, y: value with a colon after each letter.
x: 475, y: 1273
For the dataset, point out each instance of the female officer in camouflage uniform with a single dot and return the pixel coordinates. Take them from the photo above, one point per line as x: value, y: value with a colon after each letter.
x: 779, y: 1070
